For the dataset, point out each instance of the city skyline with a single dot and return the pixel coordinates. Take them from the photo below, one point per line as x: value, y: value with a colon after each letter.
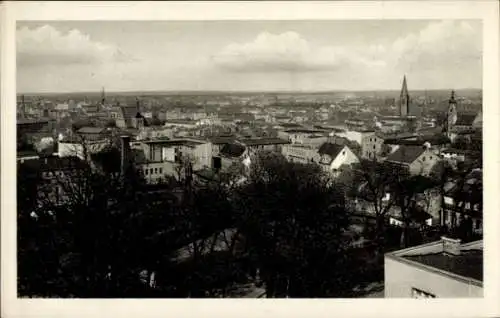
x: 240, y: 56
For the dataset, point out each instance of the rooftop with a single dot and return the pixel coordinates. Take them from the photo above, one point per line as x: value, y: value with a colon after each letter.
x: 465, y: 119
x: 330, y: 149
x: 467, y: 264
x: 455, y: 260
x: 263, y: 141
x: 232, y: 150
x: 91, y: 130
x: 406, y: 154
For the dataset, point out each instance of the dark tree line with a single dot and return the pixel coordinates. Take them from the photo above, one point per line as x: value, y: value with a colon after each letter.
x: 114, y: 237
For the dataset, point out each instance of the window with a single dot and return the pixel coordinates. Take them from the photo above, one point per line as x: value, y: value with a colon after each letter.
x: 151, y: 171
x: 146, y: 172
x: 343, y: 153
x: 160, y: 170
x: 423, y: 158
x: 418, y: 293
x: 478, y: 224
x: 156, y: 170
x: 373, y: 147
x: 430, y: 157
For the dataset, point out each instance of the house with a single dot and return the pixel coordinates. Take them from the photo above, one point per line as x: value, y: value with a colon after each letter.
x: 93, y: 133
x: 219, y: 141
x: 441, y: 269
x: 334, y: 156
x: 198, y: 152
x: 461, y: 121
x: 27, y: 129
x: 232, y: 153
x: 463, y: 204
x: 301, y: 153
x: 371, y: 145
x: 298, y: 136
x: 419, y: 160
x: 453, y: 155
x: 254, y: 145
x: 127, y: 116
x: 356, y: 135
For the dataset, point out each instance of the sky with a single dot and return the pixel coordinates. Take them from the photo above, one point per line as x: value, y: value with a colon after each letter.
x: 84, y: 56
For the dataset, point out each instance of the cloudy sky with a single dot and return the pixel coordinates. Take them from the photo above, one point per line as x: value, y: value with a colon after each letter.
x: 248, y: 55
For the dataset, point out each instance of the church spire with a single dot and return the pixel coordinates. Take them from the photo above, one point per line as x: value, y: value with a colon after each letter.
x: 103, y: 96
x: 404, y: 99
x: 404, y: 88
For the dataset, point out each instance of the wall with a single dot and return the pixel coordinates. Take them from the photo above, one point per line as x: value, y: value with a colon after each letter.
x: 352, y: 135
x: 424, y: 163
x: 345, y: 157
x: 400, y: 278
x: 156, y: 171
x: 300, y: 154
x: 371, y: 146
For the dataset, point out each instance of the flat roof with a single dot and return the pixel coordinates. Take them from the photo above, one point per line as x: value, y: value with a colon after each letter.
x: 468, y: 263
x: 467, y: 266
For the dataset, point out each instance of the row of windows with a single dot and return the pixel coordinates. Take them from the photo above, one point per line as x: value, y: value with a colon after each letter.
x: 417, y: 293
x: 152, y: 171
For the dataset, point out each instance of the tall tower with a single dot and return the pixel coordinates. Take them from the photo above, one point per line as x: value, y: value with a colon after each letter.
x: 404, y: 100
x: 103, y: 96
x: 451, y: 116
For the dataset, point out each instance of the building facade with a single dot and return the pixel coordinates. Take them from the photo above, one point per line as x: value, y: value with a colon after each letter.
x: 442, y: 269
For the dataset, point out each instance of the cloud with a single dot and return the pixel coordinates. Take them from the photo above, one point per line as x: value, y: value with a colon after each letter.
x: 287, y: 51
x: 440, y: 45
x: 46, y: 45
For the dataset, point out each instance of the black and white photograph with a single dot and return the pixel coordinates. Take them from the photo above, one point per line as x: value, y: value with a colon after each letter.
x: 250, y: 158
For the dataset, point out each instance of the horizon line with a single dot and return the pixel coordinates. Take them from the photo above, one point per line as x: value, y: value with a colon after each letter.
x: 247, y: 91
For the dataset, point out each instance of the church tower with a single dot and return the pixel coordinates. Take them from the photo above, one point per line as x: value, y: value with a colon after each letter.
x: 451, y: 117
x: 404, y: 100
x: 103, y: 96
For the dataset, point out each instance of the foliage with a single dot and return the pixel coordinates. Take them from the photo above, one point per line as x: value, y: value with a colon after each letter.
x: 294, y: 223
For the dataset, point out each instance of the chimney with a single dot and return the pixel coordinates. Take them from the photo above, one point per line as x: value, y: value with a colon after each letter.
x: 451, y: 246
x: 125, y: 151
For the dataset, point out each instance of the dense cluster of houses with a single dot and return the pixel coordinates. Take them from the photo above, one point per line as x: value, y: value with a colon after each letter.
x: 166, y: 143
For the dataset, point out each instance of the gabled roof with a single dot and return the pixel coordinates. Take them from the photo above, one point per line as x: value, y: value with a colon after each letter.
x: 330, y: 149
x: 406, y: 154
x: 232, y: 150
x: 465, y: 119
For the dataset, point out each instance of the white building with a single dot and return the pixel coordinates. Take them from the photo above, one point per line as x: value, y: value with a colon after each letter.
x: 442, y: 269
x: 334, y: 156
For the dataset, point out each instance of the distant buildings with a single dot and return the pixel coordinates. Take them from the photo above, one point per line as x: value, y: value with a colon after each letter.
x: 335, y: 156
x: 458, y: 123
x: 442, y: 269
x: 419, y: 160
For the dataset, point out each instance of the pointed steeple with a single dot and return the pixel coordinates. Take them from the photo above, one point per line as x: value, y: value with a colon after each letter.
x: 404, y: 100
x: 103, y: 96
x: 404, y: 88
